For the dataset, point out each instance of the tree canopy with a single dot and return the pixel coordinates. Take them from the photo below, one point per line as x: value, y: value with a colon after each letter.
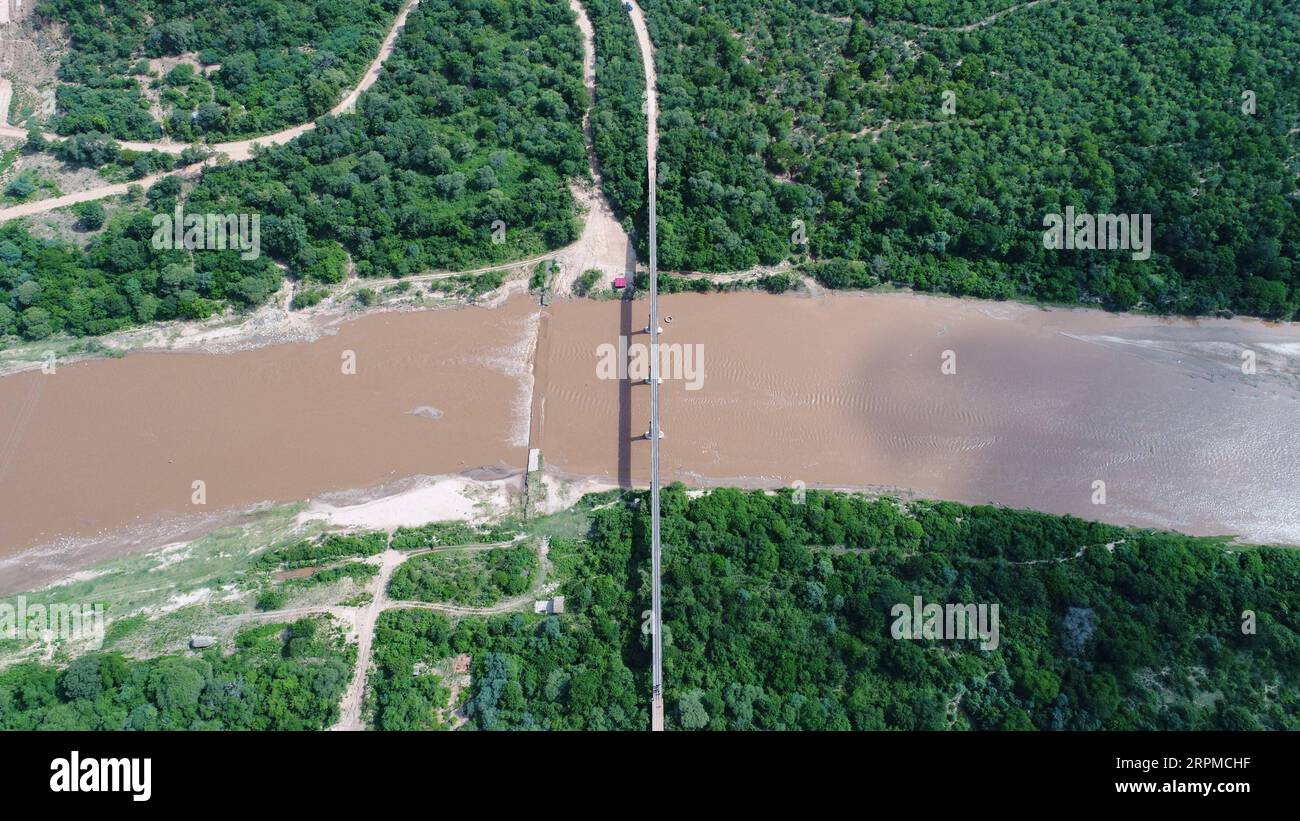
x: 273, y: 63
x: 280, y: 677
x: 779, y: 615
x: 832, y: 112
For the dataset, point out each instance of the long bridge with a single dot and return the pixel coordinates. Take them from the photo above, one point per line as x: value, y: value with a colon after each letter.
x: 654, y: 433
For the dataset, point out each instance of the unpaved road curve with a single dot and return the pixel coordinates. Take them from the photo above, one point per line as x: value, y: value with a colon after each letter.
x: 354, y: 699
x: 362, y: 620
x: 350, y: 711
x: 603, y: 244
x: 364, y: 624
x: 28, y: 209
x: 237, y: 150
x: 651, y: 82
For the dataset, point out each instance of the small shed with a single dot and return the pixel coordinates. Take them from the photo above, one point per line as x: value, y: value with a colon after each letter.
x: 549, y: 606
x: 200, y: 642
x: 620, y: 282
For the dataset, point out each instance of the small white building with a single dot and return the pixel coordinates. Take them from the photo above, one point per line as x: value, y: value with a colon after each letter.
x: 549, y: 606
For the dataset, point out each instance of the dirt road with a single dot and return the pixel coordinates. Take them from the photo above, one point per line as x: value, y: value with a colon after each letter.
x: 237, y: 150
x: 354, y: 699
x: 604, y: 245
x: 652, y: 84
x: 350, y: 711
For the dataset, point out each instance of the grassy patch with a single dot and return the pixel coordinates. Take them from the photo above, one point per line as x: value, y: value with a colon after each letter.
x: 468, y: 578
x: 444, y: 534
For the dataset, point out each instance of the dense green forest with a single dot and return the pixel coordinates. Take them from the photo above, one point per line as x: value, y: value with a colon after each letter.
x: 401, y: 699
x: 52, y: 286
x: 280, y: 677
x: 529, y: 672
x: 618, y: 121
x: 826, y: 111
x: 476, y: 118
x: 277, y: 63
x: 778, y: 616
x: 832, y: 112
x: 780, y: 613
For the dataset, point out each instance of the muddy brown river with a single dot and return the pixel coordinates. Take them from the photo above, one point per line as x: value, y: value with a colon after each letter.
x: 970, y: 401
x: 108, y: 444
x: 851, y: 391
